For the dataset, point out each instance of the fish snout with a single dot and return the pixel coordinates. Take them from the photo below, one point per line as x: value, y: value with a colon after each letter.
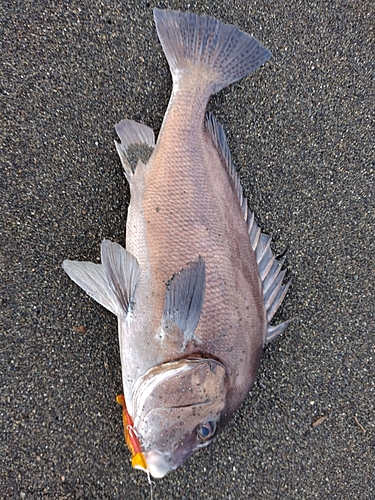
x: 157, y: 465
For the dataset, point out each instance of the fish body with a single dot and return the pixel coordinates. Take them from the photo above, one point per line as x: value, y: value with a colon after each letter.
x: 197, y: 285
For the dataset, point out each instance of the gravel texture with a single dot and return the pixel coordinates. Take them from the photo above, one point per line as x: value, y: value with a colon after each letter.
x: 301, y: 131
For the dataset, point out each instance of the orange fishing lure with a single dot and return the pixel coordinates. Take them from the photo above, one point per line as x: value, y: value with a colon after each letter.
x: 131, y: 438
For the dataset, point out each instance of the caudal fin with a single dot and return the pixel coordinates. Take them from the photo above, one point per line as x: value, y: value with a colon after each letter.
x: 220, y: 50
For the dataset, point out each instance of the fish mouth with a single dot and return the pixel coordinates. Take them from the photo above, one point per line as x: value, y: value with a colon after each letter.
x: 157, y: 465
x: 170, y: 401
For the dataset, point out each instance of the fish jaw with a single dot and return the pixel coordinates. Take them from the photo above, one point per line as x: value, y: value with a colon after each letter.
x: 177, y: 409
x: 157, y: 465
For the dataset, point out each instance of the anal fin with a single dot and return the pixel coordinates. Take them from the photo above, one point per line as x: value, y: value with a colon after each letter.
x: 137, y: 144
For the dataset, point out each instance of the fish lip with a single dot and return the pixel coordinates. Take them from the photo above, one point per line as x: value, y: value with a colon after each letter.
x: 157, y: 465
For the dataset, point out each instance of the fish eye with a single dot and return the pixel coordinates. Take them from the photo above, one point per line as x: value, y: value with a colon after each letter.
x: 207, y: 430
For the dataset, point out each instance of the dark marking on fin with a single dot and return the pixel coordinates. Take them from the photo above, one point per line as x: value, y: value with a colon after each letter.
x: 131, y: 132
x: 216, y: 131
x: 137, y: 143
x: 275, y: 330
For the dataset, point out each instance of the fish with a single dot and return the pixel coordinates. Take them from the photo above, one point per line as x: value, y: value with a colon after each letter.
x: 197, y: 285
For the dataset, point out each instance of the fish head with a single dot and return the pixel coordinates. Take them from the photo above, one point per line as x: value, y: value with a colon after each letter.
x: 177, y: 408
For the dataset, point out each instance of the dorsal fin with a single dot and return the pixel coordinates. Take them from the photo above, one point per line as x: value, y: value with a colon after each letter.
x: 133, y: 134
x: 268, y: 266
x: 220, y: 140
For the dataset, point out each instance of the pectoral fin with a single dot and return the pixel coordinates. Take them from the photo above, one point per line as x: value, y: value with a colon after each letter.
x: 184, y: 299
x: 111, y: 283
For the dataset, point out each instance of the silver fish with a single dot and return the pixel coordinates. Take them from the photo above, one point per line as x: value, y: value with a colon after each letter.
x: 198, y: 284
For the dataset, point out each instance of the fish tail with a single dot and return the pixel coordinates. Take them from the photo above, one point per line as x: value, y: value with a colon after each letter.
x: 217, y: 50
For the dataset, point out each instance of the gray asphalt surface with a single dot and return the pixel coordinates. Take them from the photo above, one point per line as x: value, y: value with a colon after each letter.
x: 301, y: 132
